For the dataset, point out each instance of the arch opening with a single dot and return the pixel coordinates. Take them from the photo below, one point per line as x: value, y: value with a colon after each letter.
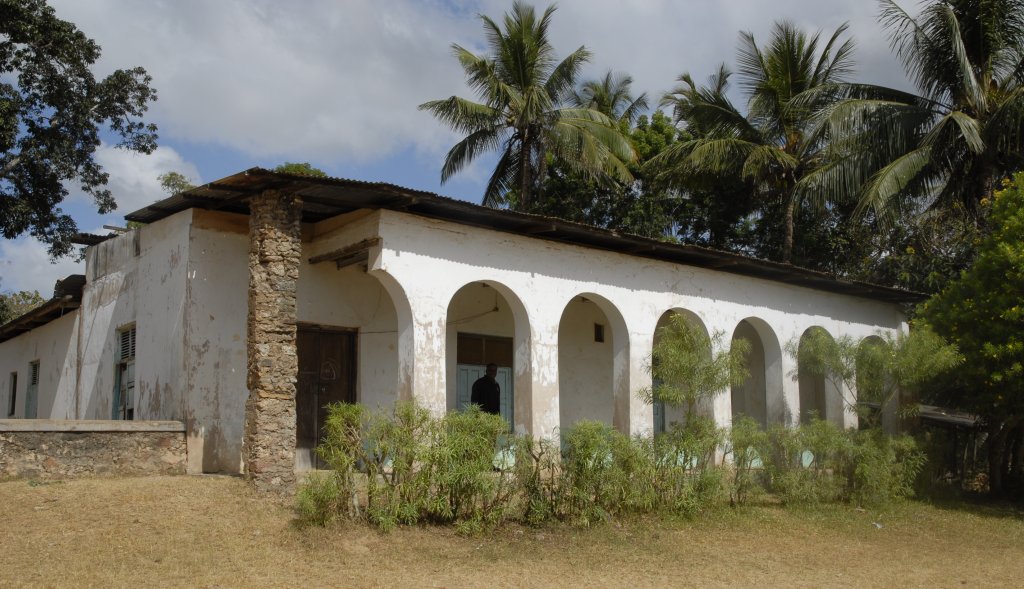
x: 487, y: 324
x: 665, y: 416
x: 820, y: 396
x: 348, y: 341
x: 760, y: 396
x: 593, y: 363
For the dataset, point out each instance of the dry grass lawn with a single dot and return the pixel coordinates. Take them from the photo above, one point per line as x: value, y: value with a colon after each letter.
x: 215, y: 532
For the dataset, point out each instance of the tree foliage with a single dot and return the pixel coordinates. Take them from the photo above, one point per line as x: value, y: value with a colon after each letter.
x: 175, y: 182
x: 688, y: 366
x: 875, y: 371
x: 777, y: 144
x: 946, y: 147
x: 525, y: 112
x: 52, y: 109
x: 16, y: 304
x: 983, y: 313
x: 301, y: 168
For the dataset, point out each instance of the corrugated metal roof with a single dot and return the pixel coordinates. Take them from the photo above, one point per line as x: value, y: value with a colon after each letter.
x: 327, y: 197
x: 67, y: 296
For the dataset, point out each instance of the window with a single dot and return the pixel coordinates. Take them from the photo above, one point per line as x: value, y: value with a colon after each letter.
x: 12, y: 400
x: 598, y: 333
x: 32, y: 394
x: 124, y: 385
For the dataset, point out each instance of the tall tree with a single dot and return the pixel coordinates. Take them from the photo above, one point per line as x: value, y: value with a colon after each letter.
x: 612, y: 96
x: 778, y: 144
x: 175, y: 182
x: 946, y: 147
x: 52, y: 109
x: 982, y: 312
x: 524, y: 112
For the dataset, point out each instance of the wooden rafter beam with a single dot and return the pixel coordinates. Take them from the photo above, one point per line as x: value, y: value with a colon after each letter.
x: 348, y: 255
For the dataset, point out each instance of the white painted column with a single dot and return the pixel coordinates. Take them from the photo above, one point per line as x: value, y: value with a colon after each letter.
x: 640, y: 413
x: 721, y: 403
x: 790, y: 389
x: 540, y: 407
x: 429, y: 318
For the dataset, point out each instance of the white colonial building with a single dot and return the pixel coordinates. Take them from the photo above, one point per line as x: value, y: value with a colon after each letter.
x: 374, y: 293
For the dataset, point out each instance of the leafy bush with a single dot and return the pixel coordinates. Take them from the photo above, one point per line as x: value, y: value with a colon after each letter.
x: 805, y: 464
x: 747, y: 444
x: 882, y: 468
x: 420, y: 468
x: 686, y: 478
x: 320, y: 499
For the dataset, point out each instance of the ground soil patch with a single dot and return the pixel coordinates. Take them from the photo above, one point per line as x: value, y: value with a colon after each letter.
x: 215, y: 532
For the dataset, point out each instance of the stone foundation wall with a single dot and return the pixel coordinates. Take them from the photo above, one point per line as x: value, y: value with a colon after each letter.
x: 56, y: 449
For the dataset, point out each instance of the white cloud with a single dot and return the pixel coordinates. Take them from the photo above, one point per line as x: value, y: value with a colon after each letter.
x: 25, y: 265
x: 326, y: 81
x: 133, y: 176
x: 322, y: 81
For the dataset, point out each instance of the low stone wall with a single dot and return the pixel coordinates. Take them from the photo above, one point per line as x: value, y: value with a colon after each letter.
x: 53, y: 449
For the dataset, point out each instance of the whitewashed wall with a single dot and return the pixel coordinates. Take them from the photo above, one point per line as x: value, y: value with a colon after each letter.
x: 430, y: 259
x: 186, y: 293
x: 54, y: 346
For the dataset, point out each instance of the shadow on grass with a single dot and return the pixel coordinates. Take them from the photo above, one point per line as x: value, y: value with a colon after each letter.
x: 974, y: 503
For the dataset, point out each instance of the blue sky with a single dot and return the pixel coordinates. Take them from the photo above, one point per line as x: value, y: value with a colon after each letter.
x: 246, y: 83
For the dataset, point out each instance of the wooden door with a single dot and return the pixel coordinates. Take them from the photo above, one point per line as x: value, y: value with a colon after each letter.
x: 327, y: 374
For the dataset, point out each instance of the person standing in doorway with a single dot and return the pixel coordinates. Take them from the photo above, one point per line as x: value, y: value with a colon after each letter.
x: 486, y: 392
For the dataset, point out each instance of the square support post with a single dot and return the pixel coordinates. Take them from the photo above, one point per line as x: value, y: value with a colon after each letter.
x: 275, y: 250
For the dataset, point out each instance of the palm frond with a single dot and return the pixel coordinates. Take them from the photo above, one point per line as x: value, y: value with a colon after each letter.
x: 883, y: 188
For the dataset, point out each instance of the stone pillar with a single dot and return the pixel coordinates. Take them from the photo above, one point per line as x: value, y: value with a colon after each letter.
x: 274, y: 253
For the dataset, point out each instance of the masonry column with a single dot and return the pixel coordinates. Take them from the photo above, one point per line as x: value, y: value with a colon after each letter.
x: 274, y: 253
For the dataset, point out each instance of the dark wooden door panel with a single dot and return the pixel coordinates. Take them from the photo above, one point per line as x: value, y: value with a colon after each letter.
x: 327, y: 374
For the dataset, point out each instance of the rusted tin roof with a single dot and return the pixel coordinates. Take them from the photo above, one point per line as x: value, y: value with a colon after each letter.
x: 67, y: 296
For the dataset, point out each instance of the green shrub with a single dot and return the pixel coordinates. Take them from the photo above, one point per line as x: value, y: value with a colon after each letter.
x: 805, y: 464
x: 882, y: 468
x: 537, y: 476
x: 748, y: 443
x: 466, y: 485
x: 686, y: 478
x: 320, y: 499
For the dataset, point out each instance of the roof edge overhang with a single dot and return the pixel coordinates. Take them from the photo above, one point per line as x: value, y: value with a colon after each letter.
x: 67, y: 297
x: 328, y: 197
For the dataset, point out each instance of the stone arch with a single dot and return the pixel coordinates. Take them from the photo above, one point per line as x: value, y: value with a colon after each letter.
x: 761, y: 395
x: 593, y: 363
x: 665, y: 416
x: 487, y: 322
x: 820, y: 395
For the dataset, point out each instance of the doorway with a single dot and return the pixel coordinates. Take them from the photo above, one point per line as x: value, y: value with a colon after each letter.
x: 327, y: 374
x: 474, y: 352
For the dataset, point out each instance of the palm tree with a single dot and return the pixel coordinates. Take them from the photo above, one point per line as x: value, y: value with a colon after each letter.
x: 779, y: 143
x: 612, y: 97
x: 947, y: 146
x: 524, y: 112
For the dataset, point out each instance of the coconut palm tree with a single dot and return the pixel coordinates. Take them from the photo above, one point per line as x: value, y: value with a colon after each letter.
x: 612, y: 97
x: 946, y: 147
x: 525, y: 112
x: 778, y: 144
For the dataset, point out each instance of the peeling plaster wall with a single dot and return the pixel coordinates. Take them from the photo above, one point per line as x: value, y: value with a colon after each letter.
x: 214, y: 358
x: 352, y: 298
x: 186, y: 293
x: 431, y: 259
x: 147, y: 289
x: 54, y: 346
